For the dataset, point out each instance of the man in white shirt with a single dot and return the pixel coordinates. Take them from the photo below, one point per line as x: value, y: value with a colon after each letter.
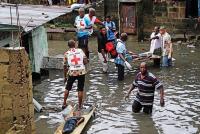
x: 93, y: 19
x: 155, y: 42
x: 82, y: 24
x: 166, y: 47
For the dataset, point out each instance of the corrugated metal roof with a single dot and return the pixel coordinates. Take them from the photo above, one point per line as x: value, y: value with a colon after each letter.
x: 4, y: 27
x: 130, y: 0
x: 31, y: 16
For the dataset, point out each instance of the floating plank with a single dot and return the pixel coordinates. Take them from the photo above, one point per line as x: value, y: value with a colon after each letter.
x: 81, y: 126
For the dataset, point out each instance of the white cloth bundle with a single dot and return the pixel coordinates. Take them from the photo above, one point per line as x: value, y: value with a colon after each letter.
x: 128, y: 65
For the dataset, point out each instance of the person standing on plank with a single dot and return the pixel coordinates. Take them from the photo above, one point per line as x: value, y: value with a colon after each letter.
x: 146, y: 83
x: 74, y: 69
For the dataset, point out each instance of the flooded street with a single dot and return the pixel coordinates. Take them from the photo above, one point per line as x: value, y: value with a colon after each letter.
x: 181, y: 114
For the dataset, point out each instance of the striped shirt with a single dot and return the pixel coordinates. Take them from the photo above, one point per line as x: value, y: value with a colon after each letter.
x: 146, y: 88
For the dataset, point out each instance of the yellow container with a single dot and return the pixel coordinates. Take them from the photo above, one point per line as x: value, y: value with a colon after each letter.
x: 71, y: 1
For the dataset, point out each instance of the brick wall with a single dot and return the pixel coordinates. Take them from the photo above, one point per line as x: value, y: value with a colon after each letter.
x: 170, y: 15
x: 165, y: 12
x: 16, y: 105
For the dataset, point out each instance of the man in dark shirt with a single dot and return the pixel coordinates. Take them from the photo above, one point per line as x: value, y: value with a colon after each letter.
x: 146, y: 83
x: 103, y: 56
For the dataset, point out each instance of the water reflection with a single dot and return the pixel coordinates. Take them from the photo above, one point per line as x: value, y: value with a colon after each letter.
x: 181, y: 113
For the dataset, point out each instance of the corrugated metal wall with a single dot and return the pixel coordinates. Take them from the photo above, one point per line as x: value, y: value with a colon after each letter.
x: 38, y: 48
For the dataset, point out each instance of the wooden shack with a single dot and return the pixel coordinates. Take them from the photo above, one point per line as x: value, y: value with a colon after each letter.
x: 23, y: 25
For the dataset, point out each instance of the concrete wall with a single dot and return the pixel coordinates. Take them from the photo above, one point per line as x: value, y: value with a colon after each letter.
x: 23, y: 1
x: 16, y: 104
x: 53, y: 62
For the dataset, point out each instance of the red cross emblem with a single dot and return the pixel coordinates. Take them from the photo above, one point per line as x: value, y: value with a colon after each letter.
x: 75, y: 60
x: 81, y: 23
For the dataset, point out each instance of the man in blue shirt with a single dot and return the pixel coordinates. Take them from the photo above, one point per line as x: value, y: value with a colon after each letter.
x: 83, y: 24
x: 111, y: 28
x: 121, y: 60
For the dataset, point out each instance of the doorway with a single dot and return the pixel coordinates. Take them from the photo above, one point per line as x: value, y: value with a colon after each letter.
x: 128, y: 18
x: 192, y: 8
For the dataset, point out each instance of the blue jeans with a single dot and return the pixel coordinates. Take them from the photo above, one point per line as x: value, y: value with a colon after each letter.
x: 166, y: 62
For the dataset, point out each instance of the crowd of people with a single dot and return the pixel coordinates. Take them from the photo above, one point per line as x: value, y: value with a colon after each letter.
x: 66, y: 2
x: 77, y: 57
x: 69, y: 2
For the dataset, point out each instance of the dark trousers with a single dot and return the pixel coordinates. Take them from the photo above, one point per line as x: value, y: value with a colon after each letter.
x: 120, y: 72
x: 136, y: 107
x: 83, y: 44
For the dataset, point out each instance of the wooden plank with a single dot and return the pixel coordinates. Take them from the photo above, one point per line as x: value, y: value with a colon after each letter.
x: 60, y: 128
x: 142, y: 59
x: 81, y: 126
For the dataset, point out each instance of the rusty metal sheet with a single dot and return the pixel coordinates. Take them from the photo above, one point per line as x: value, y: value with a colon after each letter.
x: 128, y: 18
x: 30, y: 16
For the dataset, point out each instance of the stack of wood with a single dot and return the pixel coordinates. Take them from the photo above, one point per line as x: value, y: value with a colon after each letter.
x: 16, y: 97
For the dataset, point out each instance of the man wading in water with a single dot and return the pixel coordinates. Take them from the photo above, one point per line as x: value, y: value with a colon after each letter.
x: 102, y: 53
x: 83, y: 24
x: 146, y: 83
x: 74, y: 67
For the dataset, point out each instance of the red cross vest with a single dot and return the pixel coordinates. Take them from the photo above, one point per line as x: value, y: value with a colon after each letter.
x: 92, y: 20
x: 75, y: 59
x: 80, y: 22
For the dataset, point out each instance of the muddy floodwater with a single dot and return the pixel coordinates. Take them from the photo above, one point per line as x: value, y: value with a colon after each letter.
x: 181, y: 114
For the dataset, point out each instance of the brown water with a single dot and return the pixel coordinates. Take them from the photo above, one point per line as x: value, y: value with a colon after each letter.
x: 181, y: 114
